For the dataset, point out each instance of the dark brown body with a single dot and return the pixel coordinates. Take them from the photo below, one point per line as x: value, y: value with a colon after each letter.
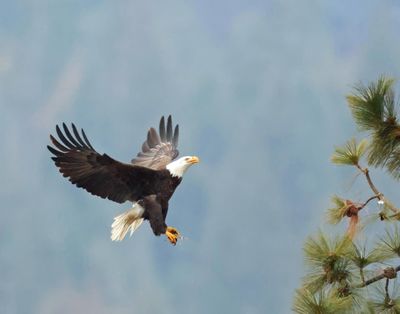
x: 155, y: 204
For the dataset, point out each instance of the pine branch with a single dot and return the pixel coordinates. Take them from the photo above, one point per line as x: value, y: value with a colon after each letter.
x: 362, y: 275
x: 387, y: 297
x: 368, y: 200
x: 378, y: 194
x: 365, y: 171
x: 373, y: 109
x: 351, y: 154
x: 383, y: 301
x: 387, y: 273
x: 339, y: 269
x: 372, y: 104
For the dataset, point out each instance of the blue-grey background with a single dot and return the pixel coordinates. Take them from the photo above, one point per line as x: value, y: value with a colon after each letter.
x: 258, y: 90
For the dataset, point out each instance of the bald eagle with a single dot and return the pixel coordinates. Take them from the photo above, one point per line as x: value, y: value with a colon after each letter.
x: 148, y: 181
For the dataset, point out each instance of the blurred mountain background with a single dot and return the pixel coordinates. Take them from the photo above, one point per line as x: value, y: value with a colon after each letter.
x: 258, y: 89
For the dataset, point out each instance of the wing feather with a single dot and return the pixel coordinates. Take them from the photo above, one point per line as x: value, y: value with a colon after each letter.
x: 86, y: 140
x: 176, y: 136
x: 77, y: 136
x: 70, y: 137
x: 152, y: 138
x: 99, y: 174
x: 58, y: 145
x: 162, y: 129
x: 54, y: 152
x: 160, y: 148
x: 169, y: 129
x: 145, y: 147
x: 63, y: 139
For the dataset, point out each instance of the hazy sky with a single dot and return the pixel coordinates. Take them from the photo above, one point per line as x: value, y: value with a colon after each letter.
x: 258, y: 90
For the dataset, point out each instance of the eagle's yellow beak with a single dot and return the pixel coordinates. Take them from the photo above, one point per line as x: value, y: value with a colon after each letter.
x: 193, y: 160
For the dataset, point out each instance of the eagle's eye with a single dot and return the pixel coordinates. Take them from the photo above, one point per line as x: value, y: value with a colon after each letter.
x: 187, y: 158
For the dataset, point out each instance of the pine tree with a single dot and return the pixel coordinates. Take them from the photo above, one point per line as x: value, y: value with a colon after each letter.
x: 343, y: 275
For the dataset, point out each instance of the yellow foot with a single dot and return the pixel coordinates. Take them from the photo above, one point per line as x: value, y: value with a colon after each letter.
x: 173, y: 235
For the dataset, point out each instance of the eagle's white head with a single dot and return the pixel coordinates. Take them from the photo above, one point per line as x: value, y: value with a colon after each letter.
x: 178, y: 167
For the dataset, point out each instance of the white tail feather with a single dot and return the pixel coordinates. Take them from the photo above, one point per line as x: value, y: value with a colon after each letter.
x: 130, y: 220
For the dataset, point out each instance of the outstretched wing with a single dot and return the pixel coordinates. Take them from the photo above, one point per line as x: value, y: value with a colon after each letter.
x: 98, y: 174
x: 159, y: 149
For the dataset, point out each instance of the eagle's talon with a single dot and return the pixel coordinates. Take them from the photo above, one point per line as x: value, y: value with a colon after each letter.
x: 172, y: 235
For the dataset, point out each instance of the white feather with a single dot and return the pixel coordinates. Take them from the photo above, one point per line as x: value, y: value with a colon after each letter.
x: 130, y: 220
x: 178, y: 167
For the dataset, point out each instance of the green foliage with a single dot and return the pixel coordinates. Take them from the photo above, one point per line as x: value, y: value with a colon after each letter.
x: 327, y: 261
x: 318, y: 248
x: 389, y: 245
x: 373, y: 104
x: 393, y: 163
x: 324, y: 301
x: 336, y: 272
x: 373, y: 109
x: 361, y: 258
x: 336, y: 268
x: 336, y: 213
x: 344, y: 277
x: 380, y: 302
x: 350, y: 154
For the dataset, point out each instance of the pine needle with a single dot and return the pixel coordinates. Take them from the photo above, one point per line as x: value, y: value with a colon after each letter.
x: 389, y: 245
x: 325, y: 302
x: 361, y: 258
x: 350, y: 154
x: 328, y: 262
x: 336, y: 213
x: 382, y: 301
x: 371, y: 104
x: 373, y: 109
